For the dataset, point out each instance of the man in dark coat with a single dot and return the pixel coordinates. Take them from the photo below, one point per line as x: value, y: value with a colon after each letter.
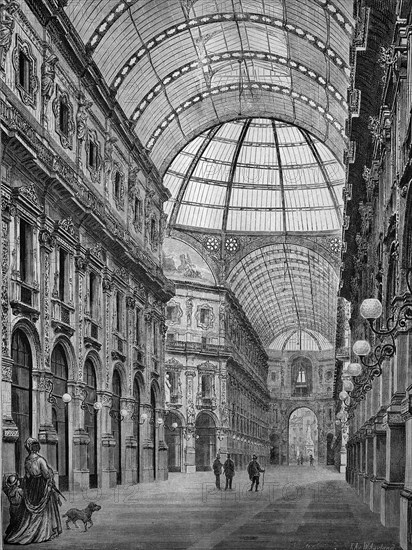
x: 254, y: 470
x: 217, y: 470
x: 229, y: 469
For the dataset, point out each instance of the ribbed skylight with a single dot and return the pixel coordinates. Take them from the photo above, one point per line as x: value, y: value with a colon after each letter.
x: 255, y: 175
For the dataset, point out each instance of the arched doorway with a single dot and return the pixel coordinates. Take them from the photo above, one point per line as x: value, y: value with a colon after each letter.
x: 21, y: 394
x: 303, y: 435
x: 174, y: 442
x: 153, y: 434
x: 60, y: 373
x: 116, y: 424
x: 90, y: 421
x: 136, y: 426
x: 205, y: 447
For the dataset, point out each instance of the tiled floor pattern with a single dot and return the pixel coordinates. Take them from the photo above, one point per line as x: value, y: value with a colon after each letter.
x: 298, y: 508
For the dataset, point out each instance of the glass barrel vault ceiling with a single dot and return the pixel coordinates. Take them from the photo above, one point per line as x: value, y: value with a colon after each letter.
x: 255, y: 175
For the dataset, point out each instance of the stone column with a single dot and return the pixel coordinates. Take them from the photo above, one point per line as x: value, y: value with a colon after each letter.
x: 81, y: 439
x: 361, y: 463
x: 148, y: 444
x: 162, y: 450
x: 109, y: 472
x: 379, y: 462
x: 405, y: 524
x: 395, y: 463
x: 129, y: 443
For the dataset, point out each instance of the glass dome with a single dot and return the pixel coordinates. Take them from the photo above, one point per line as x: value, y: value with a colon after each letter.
x: 255, y: 175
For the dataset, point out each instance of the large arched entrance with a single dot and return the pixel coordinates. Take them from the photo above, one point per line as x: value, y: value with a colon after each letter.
x: 90, y: 421
x: 205, y: 448
x: 59, y: 369
x: 21, y: 394
x: 303, y: 435
x: 173, y: 433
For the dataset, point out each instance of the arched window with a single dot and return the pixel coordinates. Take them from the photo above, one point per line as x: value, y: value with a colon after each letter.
x: 90, y: 421
x: 21, y: 394
x: 301, y: 377
x: 59, y: 369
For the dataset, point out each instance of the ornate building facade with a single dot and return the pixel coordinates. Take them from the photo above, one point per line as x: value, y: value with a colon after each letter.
x: 83, y: 292
x: 376, y: 406
x: 300, y: 383
x: 216, y: 370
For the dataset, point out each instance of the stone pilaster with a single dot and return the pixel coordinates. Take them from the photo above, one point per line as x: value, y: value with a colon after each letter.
x: 81, y: 440
x: 405, y: 522
x: 190, y: 452
x: 368, y: 473
x: 379, y: 462
x: 395, y: 463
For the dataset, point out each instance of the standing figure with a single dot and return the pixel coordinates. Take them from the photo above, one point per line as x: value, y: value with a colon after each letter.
x: 7, y: 23
x: 311, y: 460
x: 254, y: 470
x: 217, y: 470
x: 298, y: 459
x: 229, y: 470
x: 301, y: 460
x: 40, y: 519
x: 14, y: 493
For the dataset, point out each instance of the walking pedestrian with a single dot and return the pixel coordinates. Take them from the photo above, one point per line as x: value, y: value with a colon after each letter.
x: 229, y: 470
x: 301, y: 460
x: 311, y: 460
x: 254, y: 470
x: 217, y: 470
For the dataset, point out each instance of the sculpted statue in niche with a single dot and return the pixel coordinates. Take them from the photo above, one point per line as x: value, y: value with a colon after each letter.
x: 48, y: 75
x: 7, y: 10
x: 82, y: 117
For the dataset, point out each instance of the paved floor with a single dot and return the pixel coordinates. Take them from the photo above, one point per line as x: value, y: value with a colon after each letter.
x: 298, y: 508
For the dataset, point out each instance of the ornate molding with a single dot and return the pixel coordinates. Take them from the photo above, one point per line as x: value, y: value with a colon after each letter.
x: 28, y: 93
x: 64, y: 128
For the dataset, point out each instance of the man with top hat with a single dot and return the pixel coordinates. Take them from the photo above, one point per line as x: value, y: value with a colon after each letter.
x: 254, y: 470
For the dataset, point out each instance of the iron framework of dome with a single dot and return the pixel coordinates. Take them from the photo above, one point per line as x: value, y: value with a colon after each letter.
x: 255, y: 175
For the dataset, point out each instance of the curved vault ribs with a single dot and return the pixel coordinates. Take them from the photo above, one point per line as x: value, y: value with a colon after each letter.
x: 256, y: 19
x: 318, y: 318
x: 236, y: 55
x: 103, y: 26
x: 232, y: 187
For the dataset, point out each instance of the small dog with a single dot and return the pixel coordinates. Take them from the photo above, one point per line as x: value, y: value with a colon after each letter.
x: 74, y: 514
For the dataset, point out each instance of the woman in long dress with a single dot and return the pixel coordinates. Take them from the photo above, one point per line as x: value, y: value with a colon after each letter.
x: 40, y: 521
